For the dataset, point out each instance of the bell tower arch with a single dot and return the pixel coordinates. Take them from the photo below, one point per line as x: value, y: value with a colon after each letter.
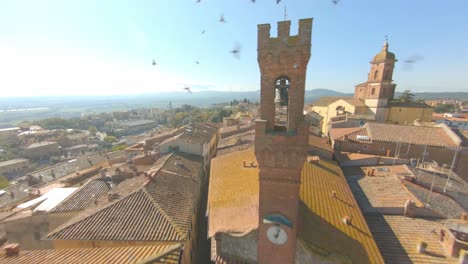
x: 281, y: 137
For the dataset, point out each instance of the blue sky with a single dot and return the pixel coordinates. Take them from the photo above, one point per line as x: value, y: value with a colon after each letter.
x: 106, y: 47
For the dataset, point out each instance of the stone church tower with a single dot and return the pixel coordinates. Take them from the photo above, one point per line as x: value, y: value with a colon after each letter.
x: 379, y: 88
x: 280, y: 147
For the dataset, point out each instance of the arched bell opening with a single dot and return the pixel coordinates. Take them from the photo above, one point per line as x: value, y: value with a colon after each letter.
x: 282, y: 86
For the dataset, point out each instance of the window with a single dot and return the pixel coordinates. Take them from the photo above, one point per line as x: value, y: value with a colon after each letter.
x: 281, y: 101
x: 376, y: 73
x: 373, y: 91
x: 382, y: 148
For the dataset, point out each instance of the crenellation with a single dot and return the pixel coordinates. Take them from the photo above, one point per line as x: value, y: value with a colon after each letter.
x: 284, y: 28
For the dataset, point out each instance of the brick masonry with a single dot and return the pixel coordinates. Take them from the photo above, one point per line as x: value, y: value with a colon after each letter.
x: 281, y: 153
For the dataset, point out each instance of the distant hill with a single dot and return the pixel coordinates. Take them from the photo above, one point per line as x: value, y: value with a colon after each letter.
x: 72, y: 106
x: 463, y: 96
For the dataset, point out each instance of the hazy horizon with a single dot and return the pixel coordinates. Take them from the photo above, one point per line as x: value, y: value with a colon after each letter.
x: 56, y: 48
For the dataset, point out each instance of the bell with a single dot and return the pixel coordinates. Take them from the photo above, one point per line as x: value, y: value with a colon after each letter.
x: 279, y: 97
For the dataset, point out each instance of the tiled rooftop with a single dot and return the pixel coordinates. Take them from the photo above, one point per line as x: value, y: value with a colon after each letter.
x: 83, y: 197
x: 157, y: 208
x: 397, y: 237
x: 438, y: 202
x: 200, y: 133
x: 233, y: 207
x: 384, y: 194
x: 134, y: 217
x: 162, y: 254
x: 432, y: 136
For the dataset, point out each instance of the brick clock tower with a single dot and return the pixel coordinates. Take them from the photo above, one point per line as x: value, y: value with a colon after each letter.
x: 379, y: 88
x: 281, y: 146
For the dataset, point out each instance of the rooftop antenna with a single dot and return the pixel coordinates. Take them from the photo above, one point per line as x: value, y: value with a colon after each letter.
x: 285, y: 13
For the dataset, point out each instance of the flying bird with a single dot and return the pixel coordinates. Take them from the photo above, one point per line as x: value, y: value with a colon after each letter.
x: 203, y: 32
x: 188, y: 89
x: 335, y: 2
x: 236, y: 50
x: 278, y: 1
x: 198, y: 1
x: 197, y: 62
x: 154, y: 63
x: 409, y: 62
x: 222, y: 19
x: 413, y: 59
x: 253, y: 1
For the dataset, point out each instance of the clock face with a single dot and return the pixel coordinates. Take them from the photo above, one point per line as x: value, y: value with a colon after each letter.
x: 277, y: 235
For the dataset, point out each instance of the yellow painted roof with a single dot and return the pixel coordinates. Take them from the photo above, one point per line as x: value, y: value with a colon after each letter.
x: 233, y: 194
x: 233, y: 207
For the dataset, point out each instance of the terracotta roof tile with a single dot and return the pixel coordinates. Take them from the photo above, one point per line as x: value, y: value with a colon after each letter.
x: 135, y: 217
x: 433, y: 136
x: 397, y: 237
x: 156, y: 209
x: 83, y: 197
x: 167, y: 254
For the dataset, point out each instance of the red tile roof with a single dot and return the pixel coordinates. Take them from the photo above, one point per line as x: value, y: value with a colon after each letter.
x: 167, y: 254
x: 83, y: 197
x: 158, y: 209
x: 433, y: 136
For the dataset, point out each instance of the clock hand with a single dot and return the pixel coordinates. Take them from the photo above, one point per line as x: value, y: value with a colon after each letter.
x: 277, y: 233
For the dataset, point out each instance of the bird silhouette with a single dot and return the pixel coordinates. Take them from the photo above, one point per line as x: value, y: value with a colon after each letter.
x: 188, y: 89
x: 413, y: 59
x: 197, y: 62
x: 253, y: 1
x: 154, y: 63
x: 335, y: 2
x: 278, y: 1
x: 410, y: 62
x: 222, y: 19
x: 236, y: 50
x: 203, y: 32
x: 198, y: 1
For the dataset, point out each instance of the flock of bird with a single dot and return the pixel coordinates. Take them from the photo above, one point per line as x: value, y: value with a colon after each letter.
x: 237, y: 48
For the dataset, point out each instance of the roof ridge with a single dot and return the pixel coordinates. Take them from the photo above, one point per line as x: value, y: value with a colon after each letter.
x: 165, y: 215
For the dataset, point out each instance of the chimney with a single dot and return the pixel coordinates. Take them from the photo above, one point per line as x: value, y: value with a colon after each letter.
x: 347, y: 220
x: 11, y: 249
x: 464, y: 216
x: 421, y: 247
x: 463, y: 259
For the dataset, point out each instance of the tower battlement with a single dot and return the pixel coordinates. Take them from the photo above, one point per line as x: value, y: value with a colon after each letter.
x: 284, y: 38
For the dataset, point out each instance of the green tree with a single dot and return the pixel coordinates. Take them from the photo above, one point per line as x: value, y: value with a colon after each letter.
x: 3, y: 182
x: 445, y: 108
x: 93, y: 130
x: 407, y: 96
x: 119, y: 147
x: 110, y: 139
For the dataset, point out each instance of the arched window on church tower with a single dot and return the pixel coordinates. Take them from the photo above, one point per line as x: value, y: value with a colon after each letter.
x: 376, y: 73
